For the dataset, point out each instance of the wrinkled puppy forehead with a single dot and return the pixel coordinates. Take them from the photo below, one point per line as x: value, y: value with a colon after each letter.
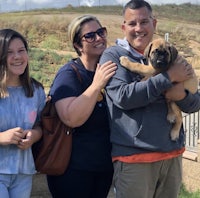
x: 162, y: 48
x: 155, y: 46
x: 160, y: 44
x: 163, y: 44
x: 160, y: 41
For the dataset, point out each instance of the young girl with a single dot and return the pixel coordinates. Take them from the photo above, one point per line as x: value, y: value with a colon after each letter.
x: 21, y: 100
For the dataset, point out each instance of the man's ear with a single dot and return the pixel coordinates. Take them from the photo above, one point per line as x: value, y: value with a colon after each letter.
x: 123, y: 27
x: 154, y: 22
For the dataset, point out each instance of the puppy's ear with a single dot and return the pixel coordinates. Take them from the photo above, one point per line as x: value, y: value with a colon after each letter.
x: 173, y: 52
x: 148, y: 50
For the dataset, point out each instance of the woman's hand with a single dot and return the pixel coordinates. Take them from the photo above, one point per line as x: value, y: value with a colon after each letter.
x: 103, y: 74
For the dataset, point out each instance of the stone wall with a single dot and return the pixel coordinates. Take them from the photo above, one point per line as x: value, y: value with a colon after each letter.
x: 40, y: 188
x: 191, y: 170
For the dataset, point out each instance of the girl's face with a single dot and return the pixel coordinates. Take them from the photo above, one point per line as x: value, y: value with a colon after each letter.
x: 17, y: 58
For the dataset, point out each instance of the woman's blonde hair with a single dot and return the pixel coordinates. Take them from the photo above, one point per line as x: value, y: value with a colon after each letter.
x: 75, y: 28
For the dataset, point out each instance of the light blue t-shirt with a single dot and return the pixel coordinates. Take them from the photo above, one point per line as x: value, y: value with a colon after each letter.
x: 17, y: 110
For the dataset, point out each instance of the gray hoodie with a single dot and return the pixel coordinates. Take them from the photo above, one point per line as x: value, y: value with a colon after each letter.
x: 138, y: 109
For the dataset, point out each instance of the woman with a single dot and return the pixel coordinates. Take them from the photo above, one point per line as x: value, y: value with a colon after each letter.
x: 21, y: 100
x: 81, y: 104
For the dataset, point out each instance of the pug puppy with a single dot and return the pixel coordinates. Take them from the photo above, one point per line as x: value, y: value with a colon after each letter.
x: 161, y: 55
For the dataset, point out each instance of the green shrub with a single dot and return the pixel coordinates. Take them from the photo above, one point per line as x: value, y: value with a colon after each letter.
x: 186, y: 194
x: 44, y: 64
x: 51, y: 42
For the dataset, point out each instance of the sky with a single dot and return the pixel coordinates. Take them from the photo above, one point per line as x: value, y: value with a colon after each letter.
x: 18, y: 5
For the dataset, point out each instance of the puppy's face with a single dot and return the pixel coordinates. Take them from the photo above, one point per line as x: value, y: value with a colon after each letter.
x: 160, y: 54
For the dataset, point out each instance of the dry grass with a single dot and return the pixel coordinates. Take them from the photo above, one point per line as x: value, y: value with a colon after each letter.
x: 48, y: 29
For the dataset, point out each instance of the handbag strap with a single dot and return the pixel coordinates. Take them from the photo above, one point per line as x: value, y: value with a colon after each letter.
x: 78, y: 75
x: 77, y: 72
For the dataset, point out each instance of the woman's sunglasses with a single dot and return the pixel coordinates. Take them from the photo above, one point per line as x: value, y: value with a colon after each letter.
x: 91, y: 36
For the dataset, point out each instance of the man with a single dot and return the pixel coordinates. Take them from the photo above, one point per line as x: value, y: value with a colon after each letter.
x: 147, y: 163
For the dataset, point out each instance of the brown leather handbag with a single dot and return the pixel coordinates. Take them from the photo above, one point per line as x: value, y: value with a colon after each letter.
x: 52, y: 152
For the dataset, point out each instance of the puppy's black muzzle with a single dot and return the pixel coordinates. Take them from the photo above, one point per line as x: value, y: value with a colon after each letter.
x: 160, y: 60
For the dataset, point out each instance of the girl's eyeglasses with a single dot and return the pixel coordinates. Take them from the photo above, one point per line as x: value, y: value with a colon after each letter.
x: 92, y: 36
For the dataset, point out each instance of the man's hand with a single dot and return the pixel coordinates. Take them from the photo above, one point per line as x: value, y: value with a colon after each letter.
x: 180, y: 71
x: 177, y: 92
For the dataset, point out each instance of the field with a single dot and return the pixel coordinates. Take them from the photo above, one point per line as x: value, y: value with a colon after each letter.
x: 46, y: 32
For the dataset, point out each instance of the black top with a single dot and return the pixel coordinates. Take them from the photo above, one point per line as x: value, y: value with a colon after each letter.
x: 91, y: 148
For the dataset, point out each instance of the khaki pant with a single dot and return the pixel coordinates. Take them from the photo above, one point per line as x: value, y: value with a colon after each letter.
x: 148, y: 180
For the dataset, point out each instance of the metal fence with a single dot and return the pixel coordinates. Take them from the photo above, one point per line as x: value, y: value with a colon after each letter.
x: 191, y: 123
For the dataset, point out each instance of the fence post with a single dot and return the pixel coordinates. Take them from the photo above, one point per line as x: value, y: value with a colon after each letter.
x: 198, y: 150
x: 167, y: 36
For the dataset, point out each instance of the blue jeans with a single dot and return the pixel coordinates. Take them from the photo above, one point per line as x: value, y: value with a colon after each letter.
x: 15, y: 186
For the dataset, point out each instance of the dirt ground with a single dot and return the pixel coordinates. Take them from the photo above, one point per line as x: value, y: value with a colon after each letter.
x: 191, y: 172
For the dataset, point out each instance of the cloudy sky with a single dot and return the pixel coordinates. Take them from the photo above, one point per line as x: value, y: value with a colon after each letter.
x: 16, y: 5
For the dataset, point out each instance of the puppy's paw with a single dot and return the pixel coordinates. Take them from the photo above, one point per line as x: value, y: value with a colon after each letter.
x: 124, y: 60
x: 171, y: 118
x: 174, y: 134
